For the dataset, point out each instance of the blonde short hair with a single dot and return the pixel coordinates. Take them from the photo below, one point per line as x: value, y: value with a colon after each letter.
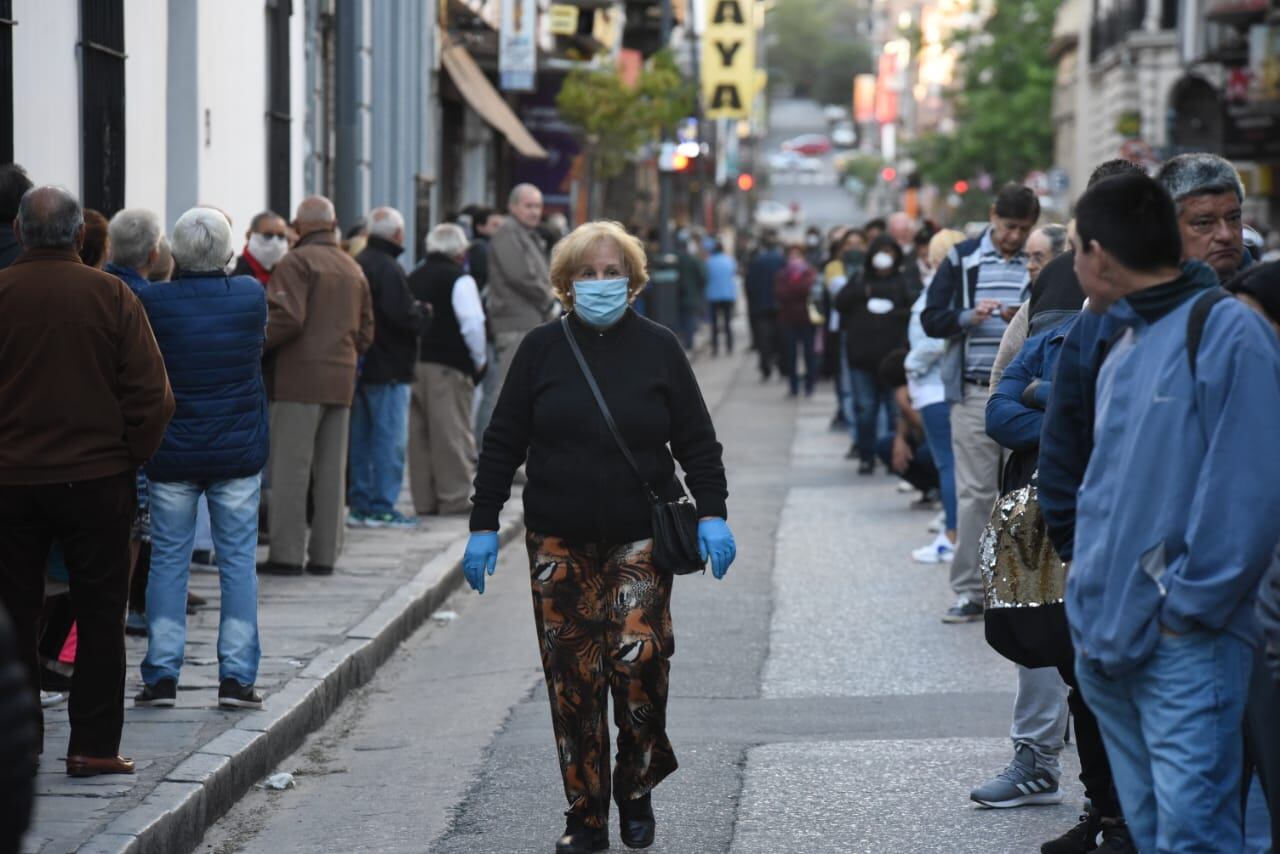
x: 941, y: 244
x: 570, y: 253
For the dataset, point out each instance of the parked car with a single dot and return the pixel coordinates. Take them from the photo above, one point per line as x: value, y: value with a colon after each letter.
x: 811, y: 144
x: 783, y: 161
x: 844, y: 135
x: 774, y: 214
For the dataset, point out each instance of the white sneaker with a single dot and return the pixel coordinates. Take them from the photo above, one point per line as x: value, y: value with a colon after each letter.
x: 935, y: 527
x: 939, y: 551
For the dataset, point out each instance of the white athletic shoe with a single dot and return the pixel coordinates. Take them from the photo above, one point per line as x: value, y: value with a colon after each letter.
x: 939, y: 551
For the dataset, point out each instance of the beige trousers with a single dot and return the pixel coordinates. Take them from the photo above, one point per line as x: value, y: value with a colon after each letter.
x: 308, y: 446
x: 977, y: 484
x: 442, y: 447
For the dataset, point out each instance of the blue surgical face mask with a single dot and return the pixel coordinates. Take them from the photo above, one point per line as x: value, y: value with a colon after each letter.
x: 600, y: 302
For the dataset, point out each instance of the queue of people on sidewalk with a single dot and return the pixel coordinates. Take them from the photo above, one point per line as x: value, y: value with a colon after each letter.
x: 1104, y: 510
x: 156, y: 380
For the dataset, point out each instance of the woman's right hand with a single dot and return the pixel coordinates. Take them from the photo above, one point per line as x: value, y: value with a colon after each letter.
x: 480, y: 558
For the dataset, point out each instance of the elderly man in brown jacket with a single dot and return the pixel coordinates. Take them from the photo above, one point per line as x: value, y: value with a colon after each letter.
x: 320, y: 320
x: 84, y: 401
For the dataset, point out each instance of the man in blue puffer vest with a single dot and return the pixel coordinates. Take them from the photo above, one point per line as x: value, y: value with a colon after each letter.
x: 1175, y: 521
x: 210, y: 329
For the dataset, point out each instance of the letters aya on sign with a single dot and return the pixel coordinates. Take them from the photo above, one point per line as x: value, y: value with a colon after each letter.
x: 729, y: 59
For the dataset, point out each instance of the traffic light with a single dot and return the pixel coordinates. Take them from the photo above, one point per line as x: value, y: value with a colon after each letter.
x: 888, y: 173
x: 746, y: 182
x: 961, y: 187
x: 679, y: 162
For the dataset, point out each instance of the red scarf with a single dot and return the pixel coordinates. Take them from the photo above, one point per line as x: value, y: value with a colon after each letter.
x: 261, y: 273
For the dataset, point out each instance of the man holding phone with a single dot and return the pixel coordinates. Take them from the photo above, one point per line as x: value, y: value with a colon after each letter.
x: 972, y: 298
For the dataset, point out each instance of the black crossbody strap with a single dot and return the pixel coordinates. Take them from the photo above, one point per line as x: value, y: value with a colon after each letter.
x: 604, y: 407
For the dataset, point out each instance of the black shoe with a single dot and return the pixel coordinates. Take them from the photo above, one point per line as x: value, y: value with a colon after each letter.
x: 203, y: 557
x: 635, y: 822
x: 162, y: 695
x: 1115, y: 838
x: 270, y: 567
x: 852, y: 453
x: 233, y: 695
x: 866, y: 467
x: 580, y: 839
x: 1080, y: 839
x: 52, y: 680
x: 317, y: 569
x: 964, y: 611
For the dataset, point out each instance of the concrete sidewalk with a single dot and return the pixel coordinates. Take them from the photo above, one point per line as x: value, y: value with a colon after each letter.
x: 321, y: 638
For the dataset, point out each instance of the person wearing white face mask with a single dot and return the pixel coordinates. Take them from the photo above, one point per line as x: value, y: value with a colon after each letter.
x: 601, y: 605
x: 266, y: 242
x: 874, y: 311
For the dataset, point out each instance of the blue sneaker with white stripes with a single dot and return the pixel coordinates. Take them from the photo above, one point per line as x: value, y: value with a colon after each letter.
x: 1020, y: 784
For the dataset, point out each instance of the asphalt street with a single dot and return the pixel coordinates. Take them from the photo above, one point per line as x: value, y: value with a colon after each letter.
x: 821, y: 199
x: 817, y: 705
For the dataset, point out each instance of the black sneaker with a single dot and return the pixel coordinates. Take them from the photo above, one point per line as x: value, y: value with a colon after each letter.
x: 1081, y: 839
x: 233, y: 695
x: 580, y: 839
x: 270, y: 567
x: 964, y: 611
x: 636, y: 822
x: 162, y: 695
x: 1115, y: 838
x: 317, y: 569
x: 866, y: 467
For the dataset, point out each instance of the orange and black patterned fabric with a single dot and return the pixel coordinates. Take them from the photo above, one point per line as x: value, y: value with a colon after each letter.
x: 604, y: 626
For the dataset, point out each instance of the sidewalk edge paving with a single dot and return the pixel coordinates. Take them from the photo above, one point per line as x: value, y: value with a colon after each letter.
x: 174, y: 816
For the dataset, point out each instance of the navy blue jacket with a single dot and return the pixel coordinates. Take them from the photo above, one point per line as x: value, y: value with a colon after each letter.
x: 761, y: 272
x: 210, y: 329
x: 1010, y: 421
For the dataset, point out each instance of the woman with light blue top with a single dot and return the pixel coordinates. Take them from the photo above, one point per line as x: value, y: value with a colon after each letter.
x: 722, y: 293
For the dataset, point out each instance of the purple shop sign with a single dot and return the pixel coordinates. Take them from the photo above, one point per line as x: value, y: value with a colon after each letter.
x: 553, y: 176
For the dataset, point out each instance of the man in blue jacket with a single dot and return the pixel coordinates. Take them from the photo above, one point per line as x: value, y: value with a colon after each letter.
x: 210, y: 329
x: 762, y: 308
x: 1175, y: 521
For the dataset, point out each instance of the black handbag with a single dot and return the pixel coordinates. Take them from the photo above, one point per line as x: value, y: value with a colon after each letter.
x: 675, y: 523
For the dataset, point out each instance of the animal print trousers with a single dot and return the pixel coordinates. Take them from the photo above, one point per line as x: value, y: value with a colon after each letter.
x: 604, y: 625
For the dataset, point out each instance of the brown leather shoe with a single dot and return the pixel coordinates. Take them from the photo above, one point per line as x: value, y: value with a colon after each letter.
x: 92, y: 766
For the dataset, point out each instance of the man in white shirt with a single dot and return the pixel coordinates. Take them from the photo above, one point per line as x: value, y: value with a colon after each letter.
x: 451, y: 358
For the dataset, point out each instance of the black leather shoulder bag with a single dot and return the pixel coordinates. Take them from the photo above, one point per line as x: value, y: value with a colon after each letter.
x: 675, y: 523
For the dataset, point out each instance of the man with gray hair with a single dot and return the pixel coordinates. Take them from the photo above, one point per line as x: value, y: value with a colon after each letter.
x: 84, y: 403
x: 1209, y: 195
x: 210, y: 328
x: 319, y: 323
x: 135, y: 246
x: 518, y: 297
x: 442, y: 448
x: 380, y: 412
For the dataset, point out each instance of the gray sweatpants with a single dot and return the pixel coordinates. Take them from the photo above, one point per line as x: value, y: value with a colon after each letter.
x: 1040, y: 715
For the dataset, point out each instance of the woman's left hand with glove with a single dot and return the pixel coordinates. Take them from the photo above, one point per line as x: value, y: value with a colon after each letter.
x: 715, y: 543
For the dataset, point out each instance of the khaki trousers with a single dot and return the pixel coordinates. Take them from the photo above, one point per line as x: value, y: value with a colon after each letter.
x: 977, y: 486
x: 308, y: 445
x: 442, y: 448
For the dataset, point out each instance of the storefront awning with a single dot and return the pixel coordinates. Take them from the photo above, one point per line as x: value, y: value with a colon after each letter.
x: 485, y: 100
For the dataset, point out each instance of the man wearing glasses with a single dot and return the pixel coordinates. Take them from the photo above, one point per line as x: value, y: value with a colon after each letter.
x: 266, y: 243
x: 1209, y: 196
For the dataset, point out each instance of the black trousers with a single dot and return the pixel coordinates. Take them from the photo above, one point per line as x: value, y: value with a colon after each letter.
x: 721, y: 315
x: 1262, y: 740
x: 765, y: 327
x: 91, y: 519
x: 1095, y: 767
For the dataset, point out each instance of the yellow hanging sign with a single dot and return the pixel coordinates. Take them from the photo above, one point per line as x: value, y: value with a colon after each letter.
x: 729, y: 59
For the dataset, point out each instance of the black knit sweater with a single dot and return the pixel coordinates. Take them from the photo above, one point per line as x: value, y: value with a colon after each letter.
x: 579, y: 484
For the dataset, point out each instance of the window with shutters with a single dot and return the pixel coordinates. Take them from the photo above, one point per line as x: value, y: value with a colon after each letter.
x: 102, y: 59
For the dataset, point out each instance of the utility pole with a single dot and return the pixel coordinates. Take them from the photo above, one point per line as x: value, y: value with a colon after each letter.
x: 665, y: 177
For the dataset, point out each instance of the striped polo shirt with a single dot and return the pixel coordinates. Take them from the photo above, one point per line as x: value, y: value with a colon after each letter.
x: 998, y: 279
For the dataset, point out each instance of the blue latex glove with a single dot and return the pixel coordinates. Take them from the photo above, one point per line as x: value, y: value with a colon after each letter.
x: 480, y: 559
x: 715, y: 543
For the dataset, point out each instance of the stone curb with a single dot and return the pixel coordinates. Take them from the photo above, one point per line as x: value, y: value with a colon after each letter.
x: 174, y: 816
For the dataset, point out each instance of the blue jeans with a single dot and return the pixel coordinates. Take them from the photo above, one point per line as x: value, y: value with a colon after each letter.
x: 937, y: 429
x: 874, y: 411
x: 379, y: 437
x: 802, y: 338
x: 1172, y: 728
x: 921, y: 471
x: 233, y: 514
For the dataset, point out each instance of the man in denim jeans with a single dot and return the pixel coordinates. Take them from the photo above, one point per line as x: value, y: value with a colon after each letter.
x: 1175, y: 520
x: 210, y: 329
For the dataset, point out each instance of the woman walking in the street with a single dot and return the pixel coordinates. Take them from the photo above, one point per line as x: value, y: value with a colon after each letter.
x: 601, y: 606
x: 874, y: 312
x: 722, y: 293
